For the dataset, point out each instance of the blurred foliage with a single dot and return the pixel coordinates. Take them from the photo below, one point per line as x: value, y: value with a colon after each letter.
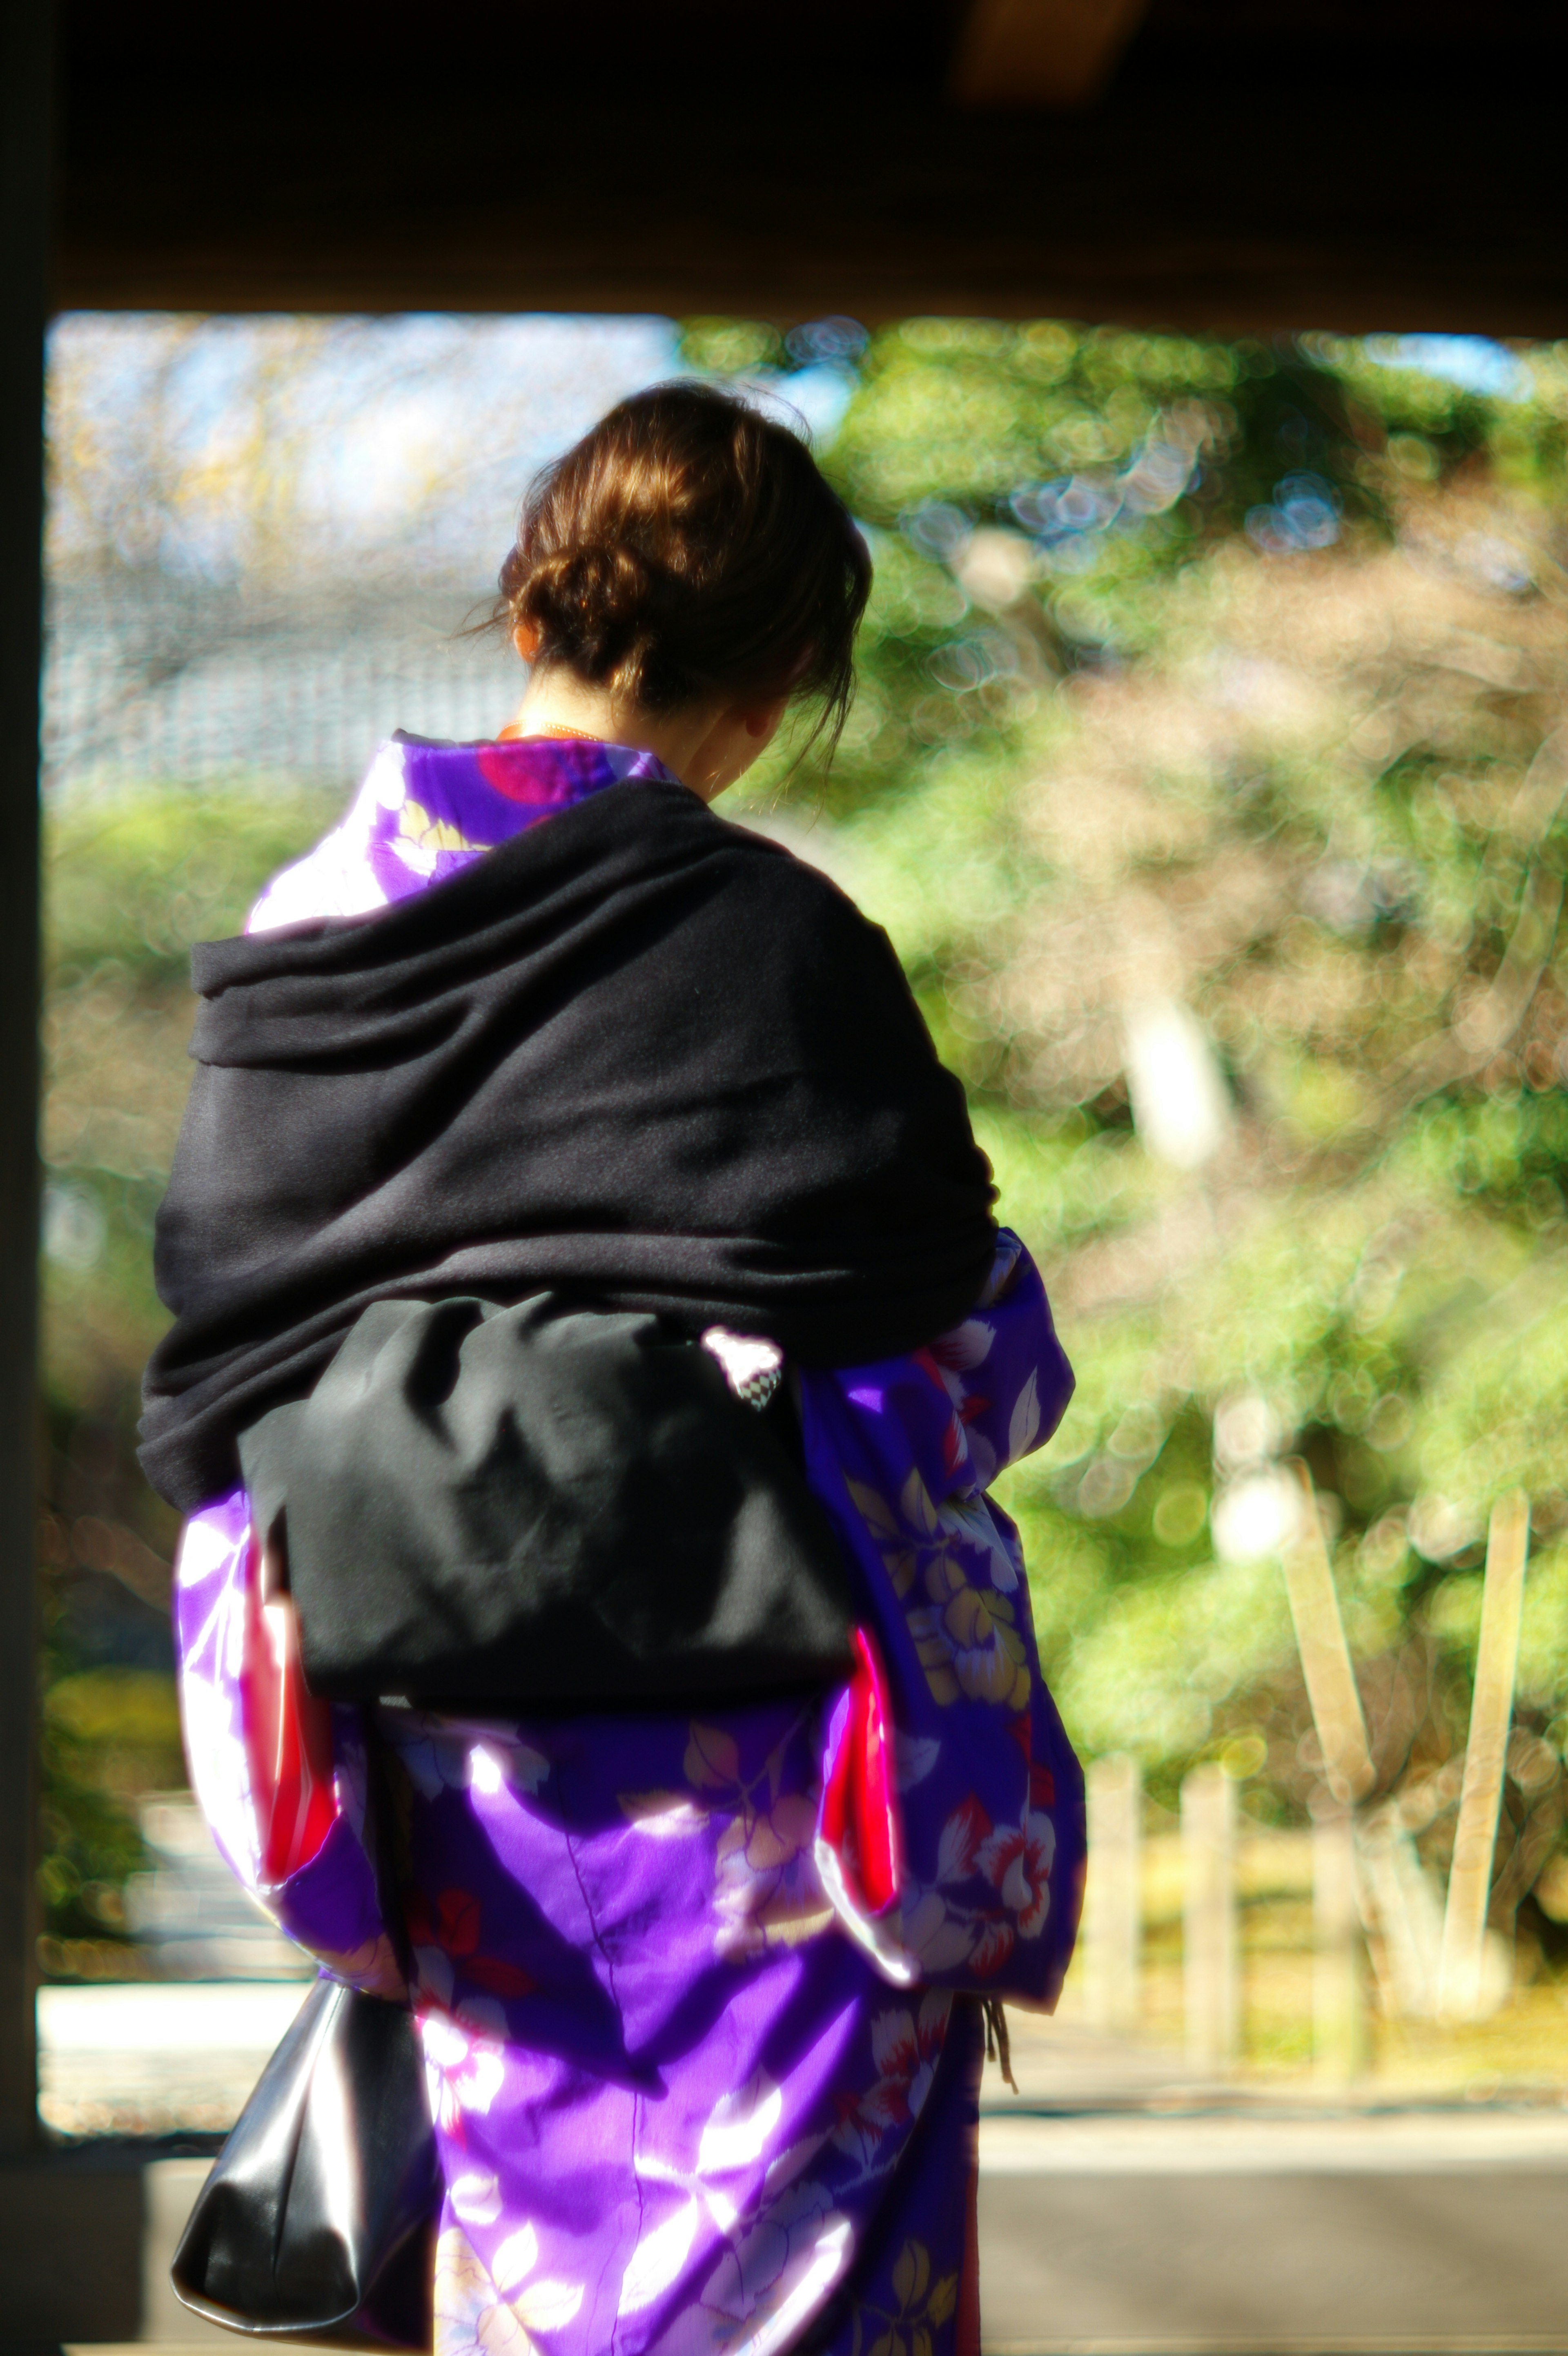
x: 110, y: 1735
x: 1206, y: 771
x: 129, y: 884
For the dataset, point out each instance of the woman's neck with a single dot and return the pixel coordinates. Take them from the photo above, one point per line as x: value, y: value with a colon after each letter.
x: 557, y: 703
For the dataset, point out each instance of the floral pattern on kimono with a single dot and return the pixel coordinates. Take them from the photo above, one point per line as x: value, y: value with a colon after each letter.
x: 690, y: 2095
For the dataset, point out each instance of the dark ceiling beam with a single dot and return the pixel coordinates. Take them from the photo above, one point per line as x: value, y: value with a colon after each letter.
x: 1054, y: 54
x: 1306, y: 201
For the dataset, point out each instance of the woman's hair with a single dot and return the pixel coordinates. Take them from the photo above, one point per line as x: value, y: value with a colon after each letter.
x: 687, y: 547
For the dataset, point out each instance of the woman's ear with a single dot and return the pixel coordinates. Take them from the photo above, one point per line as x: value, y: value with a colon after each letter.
x: 526, y: 638
x: 762, y: 722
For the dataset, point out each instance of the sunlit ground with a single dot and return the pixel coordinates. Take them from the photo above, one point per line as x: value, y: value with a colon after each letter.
x: 1520, y: 2053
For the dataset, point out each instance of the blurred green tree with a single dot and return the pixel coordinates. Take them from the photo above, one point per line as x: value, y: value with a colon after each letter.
x: 1209, y: 772
x: 129, y: 884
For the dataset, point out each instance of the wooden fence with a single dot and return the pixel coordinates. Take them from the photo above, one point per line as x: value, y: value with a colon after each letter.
x: 1377, y: 1922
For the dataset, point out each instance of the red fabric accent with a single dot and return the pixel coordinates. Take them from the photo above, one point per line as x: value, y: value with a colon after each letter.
x: 513, y: 770
x: 288, y: 1735
x: 861, y: 1816
x: 502, y: 1978
x: 458, y: 1922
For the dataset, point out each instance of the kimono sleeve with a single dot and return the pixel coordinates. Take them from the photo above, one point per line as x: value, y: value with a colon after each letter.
x: 990, y: 1794
x: 283, y: 1779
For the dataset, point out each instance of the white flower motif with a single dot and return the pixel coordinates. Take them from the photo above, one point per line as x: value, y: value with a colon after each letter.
x: 739, y: 2126
x: 658, y: 2258
x: 972, y: 1521
x: 475, y: 2197
x: 958, y: 1353
x: 335, y: 879
x: 483, y: 2311
x: 905, y: 2048
x: 665, y: 1816
x: 466, y: 2070
x: 941, y: 1940
x: 1010, y: 1251
x: 782, y: 2269
x: 544, y: 2306
x: 1023, y: 1429
x: 1015, y: 1861
x: 496, y: 1766
x: 385, y: 781
x: 805, y: 2292
x: 517, y: 2255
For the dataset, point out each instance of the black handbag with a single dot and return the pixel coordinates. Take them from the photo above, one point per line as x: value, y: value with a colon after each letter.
x: 318, y: 2220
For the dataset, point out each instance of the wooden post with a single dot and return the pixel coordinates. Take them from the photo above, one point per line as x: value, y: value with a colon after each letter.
x: 26, y: 45
x: 1470, y: 1874
x: 1405, y: 1908
x: 1212, y: 1979
x: 1325, y: 1655
x: 1337, y: 2016
x: 1113, y: 1907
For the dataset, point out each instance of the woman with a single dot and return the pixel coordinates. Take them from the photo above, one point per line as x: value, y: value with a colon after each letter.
x: 698, y: 1988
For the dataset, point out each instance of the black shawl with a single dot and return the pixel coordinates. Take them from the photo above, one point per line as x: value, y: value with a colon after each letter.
x: 636, y: 1055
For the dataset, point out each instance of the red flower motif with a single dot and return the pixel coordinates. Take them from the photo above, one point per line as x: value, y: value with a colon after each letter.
x: 500, y: 1977
x: 905, y: 2047
x: 994, y: 1943
x: 513, y: 770
x: 456, y: 1927
x: 962, y: 1840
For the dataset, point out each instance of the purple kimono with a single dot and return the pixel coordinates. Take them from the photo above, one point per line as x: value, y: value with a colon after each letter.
x: 692, y: 2094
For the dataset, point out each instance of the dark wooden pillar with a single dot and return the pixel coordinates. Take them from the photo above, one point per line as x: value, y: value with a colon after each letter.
x: 24, y: 100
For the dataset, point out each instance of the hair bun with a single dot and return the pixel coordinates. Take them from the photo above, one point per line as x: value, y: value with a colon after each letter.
x: 688, y: 546
x: 590, y: 603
